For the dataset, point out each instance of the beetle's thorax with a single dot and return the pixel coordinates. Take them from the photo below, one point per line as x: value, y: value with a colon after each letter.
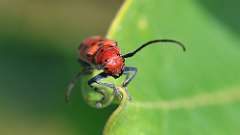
x: 102, y: 54
x: 110, y: 60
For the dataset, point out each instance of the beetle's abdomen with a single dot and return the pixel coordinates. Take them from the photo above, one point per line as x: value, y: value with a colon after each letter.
x: 88, y: 49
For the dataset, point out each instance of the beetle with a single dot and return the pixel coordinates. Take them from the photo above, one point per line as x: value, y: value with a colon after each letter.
x: 104, y: 54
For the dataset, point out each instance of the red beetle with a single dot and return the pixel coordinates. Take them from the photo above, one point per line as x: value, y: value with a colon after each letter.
x: 104, y: 54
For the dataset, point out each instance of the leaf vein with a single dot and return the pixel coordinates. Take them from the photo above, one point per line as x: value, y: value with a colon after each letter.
x: 205, y: 99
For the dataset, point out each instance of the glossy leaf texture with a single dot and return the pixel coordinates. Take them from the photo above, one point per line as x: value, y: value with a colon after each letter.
x: 175, y: 93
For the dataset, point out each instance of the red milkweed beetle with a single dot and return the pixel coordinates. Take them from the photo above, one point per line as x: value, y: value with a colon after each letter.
x: 104, y: 54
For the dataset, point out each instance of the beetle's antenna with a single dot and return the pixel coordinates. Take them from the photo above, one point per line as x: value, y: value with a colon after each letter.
x: 152, y: 42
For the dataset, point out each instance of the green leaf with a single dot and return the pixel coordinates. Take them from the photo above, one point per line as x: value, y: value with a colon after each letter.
x: 178, y: 93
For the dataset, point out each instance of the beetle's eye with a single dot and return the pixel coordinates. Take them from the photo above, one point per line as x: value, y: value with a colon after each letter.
x: 105, y: 60
x: 105, y: 68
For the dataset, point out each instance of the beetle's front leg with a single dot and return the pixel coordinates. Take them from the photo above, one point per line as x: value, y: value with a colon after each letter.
x: 97, y: 79
x: 130, y: 72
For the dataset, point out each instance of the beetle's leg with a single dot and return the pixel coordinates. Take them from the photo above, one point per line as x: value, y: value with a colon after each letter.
x: 71, y: 86
x: 129, y: 96
x: 97, y: 79
x: 104, y: 94
x: 86, y: 70
x: 130, y: 72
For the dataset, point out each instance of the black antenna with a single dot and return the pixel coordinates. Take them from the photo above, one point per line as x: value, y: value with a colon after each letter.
x: 152, y: 42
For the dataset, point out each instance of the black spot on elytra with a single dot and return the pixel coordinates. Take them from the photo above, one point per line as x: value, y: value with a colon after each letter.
x: 100, y: 44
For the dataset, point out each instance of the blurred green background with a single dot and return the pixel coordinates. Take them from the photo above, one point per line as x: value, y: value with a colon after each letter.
x: 38, y: 42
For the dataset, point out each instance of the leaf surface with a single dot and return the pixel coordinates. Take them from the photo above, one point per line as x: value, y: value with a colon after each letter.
x: 176, y: 93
